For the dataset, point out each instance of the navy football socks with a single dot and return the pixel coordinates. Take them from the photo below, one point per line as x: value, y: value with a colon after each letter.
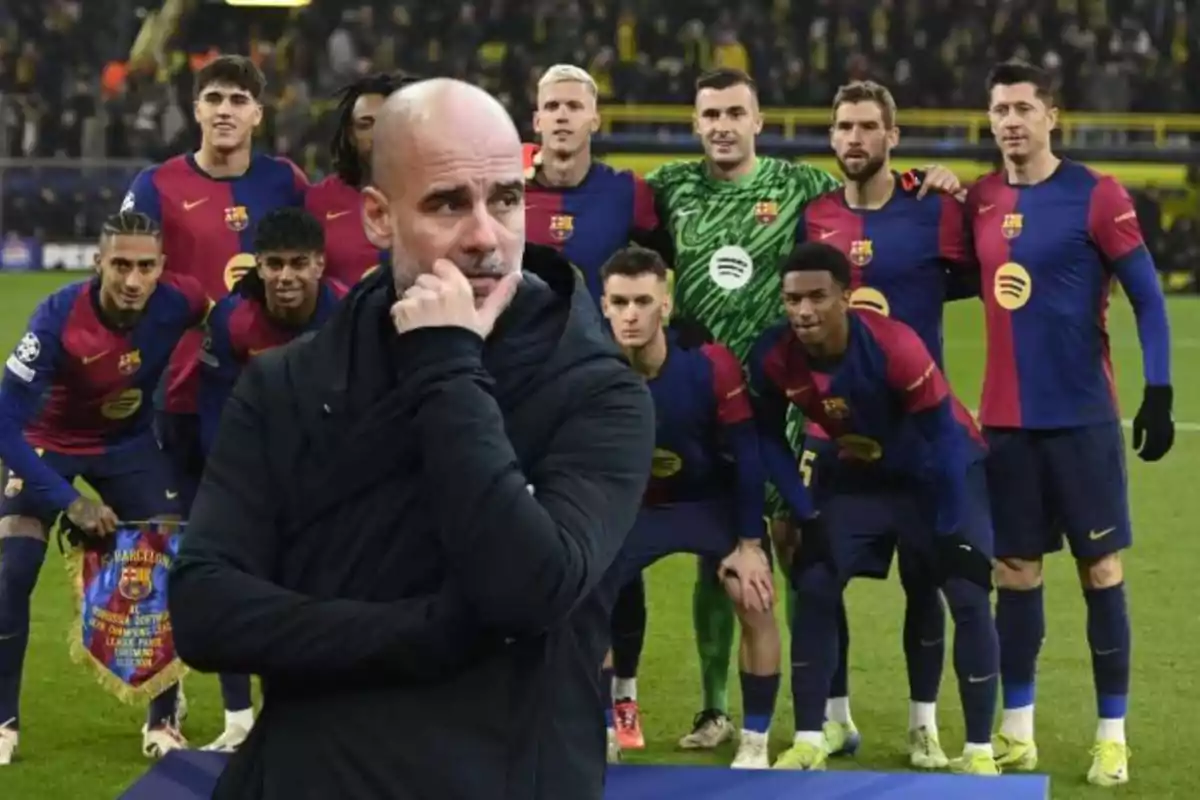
x: 814, y: 644
x: 976, y: 656
x: 606, y: 681
x: 21, y: 560
x: 924, y: 642
x: 758, y: 700
x: 163, y: 708
x: 629, y: 628
x: 235, y: 692
x: 1109, y: 638
x: 840, y: 685
x: 1021, y: 626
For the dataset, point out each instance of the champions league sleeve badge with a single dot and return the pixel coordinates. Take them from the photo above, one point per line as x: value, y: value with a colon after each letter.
x: 123, y: 632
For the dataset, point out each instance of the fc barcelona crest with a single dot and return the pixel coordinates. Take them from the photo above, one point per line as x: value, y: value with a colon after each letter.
x: 836, y: 407
x: 136, y: 583
x: 130, y: 362
x: 861, y: 252
x: 561, y: 227
x: 237, y: 218
x: 766, y: 211
x: 1011, y: 226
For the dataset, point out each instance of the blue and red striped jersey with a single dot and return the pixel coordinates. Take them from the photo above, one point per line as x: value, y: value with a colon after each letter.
x: 78, y: 386
x: 884, y: 402
x: 589, y: 222
x: 240, y: 328
x: 348, y: 253
x: 208, y: 229
x: 1048, y: 253
x: 901, y: 254
x: 705, y: 440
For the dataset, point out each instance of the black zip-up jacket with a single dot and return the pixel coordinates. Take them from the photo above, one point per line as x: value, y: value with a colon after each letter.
x: 405, y: 536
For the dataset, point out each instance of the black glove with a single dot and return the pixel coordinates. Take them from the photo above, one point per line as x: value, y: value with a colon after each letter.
x: 1153, y: 428
x: 813, y: 546
x: 958, y: 558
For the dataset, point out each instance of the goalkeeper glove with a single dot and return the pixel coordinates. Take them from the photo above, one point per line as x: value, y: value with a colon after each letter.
x: 1153, y: 427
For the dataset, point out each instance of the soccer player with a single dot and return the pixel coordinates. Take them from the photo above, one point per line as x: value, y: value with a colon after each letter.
x: 1050, y: 235
x: 281, y: 298
x: 905, y: 248
x: 588, y: 211
x: 337, y: 200
x: 731, y: 216
x: 287, y: 294
x: 207, y: 204
x: 582, y: 208
x: 697, y: 501
x: 906, y: 467
x: 75, y: 402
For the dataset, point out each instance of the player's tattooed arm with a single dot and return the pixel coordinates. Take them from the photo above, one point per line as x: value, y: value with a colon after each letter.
x: 92, y: 517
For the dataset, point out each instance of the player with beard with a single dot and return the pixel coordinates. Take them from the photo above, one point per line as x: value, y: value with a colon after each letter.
x: 337, y: 201
x: 732, y: 216
x: 907, y: 251
x: 75, y: 403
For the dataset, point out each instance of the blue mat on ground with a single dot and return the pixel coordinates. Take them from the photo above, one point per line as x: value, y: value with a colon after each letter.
x: 191, y: 775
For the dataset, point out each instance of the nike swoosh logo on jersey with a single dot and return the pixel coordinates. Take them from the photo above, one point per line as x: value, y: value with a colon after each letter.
x: 987, y: 208
x: 188, y: 205
x: 259, y: 352
x: 335, y: 214
x: 827, y: 234
x: 91, y: 359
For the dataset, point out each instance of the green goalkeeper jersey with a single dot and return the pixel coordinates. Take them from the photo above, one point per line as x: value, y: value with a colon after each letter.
x: 729, y: 237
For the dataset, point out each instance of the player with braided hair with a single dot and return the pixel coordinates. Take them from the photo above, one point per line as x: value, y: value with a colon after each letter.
x: 75, y: 403
x: 336, y: 201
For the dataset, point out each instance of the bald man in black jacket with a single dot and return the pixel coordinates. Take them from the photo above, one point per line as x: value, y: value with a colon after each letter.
x: 405, y: 517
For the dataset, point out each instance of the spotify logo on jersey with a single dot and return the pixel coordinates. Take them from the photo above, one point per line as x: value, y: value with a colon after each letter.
x: 730, y: 267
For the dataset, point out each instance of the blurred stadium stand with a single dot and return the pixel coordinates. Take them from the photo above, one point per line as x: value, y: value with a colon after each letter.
x: 92, y: 89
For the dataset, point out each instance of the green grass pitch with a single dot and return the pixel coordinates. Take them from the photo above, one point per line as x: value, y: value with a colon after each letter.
x: 77, y: 742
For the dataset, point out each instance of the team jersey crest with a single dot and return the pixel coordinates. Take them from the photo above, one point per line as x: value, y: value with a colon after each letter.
x: 1011, y: 226
x: 237, y: 218
x: 561, y: 227
x: 766, y: 211
x: 129, y: 362
x: 861, y: 252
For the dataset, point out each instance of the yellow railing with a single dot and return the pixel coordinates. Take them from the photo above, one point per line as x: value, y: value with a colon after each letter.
x: 973, y: 123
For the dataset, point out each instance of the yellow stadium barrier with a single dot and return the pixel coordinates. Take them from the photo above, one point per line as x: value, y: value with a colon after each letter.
x: 974, y: 124
x: 1132, y: 175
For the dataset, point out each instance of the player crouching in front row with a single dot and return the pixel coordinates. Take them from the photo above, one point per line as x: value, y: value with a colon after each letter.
x: 74, y: 404
x: 903, y: 470
x: 705, y: 443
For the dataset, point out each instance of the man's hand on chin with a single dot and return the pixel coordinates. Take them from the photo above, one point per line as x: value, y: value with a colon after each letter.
x: 446, y: 298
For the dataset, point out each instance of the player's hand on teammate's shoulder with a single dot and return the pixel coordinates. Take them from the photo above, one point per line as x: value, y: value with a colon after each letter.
x: 92, y: 517
x: 746, y: 573
x: 958, y: 558
x: 1153, y: 427
x: 934, y: 178
x: 444, y: 298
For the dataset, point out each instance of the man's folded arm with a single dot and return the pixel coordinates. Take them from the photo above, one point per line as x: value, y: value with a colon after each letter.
x: 527, y: 547
x: 227, y: 614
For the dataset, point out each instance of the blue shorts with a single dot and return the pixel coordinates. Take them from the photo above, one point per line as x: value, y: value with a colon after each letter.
x: 865, y: 527
x: 135, y: 480
x: 179, y: 436
x: 1049, y: 483
x: 705, y: 528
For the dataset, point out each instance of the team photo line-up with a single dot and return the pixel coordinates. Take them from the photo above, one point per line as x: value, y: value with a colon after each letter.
x: 786, y: 325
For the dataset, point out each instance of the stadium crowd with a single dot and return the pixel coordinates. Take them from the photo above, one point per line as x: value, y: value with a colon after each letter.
x: 70, y: 89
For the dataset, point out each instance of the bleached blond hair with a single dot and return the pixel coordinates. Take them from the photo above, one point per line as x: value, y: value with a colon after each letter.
x: 568, y: 73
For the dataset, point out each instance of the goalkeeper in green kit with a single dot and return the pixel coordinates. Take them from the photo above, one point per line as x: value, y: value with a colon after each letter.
x: 733, y: 215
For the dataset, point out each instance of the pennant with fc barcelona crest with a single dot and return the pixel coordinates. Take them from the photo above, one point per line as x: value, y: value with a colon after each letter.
x: 123, y: 632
